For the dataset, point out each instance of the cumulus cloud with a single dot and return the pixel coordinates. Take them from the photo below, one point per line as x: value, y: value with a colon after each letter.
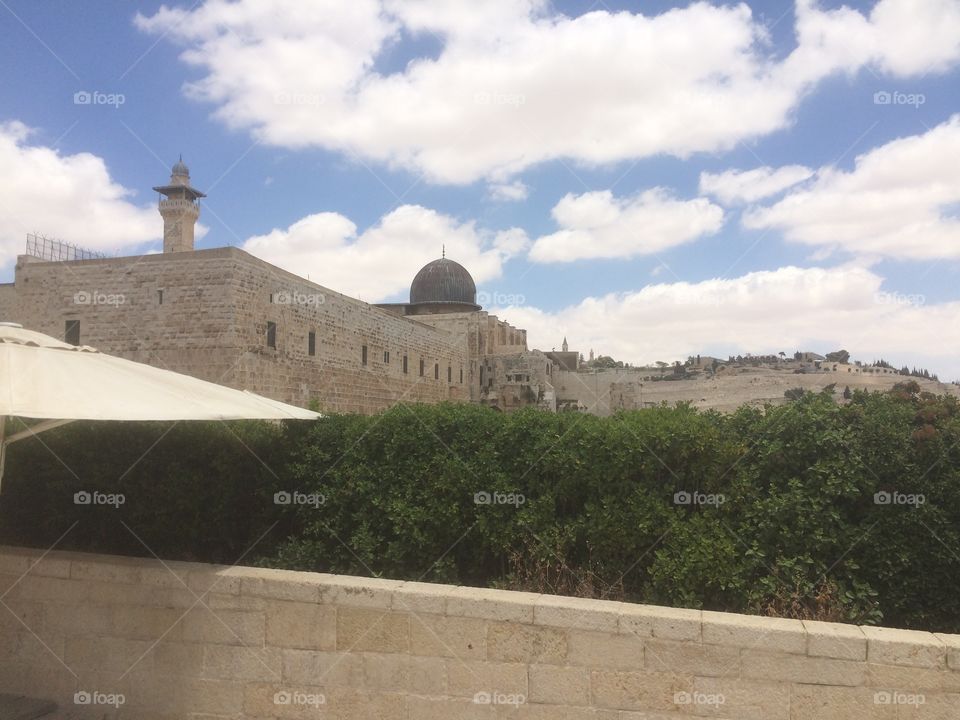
x: 762, y: 312
x: 68, y: 197
x: 379, y: 263
x: 899, y: 201
x: 517, y: 83
x: 599, y: 225
x: 735, y: 186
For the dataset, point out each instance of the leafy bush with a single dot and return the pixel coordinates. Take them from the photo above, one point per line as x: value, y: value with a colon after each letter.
x: 809, y: 510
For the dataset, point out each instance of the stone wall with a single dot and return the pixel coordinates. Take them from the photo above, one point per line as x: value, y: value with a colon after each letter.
x: 179, y: 640
x: 206, y: 314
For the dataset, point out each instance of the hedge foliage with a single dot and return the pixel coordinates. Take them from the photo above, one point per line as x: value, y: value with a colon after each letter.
x: 811, y: 510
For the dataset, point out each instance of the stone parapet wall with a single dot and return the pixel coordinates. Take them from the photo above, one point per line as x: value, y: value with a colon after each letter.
x: 183, y: 640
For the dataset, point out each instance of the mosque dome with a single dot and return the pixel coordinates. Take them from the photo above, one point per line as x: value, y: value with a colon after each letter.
x: 446, y: 282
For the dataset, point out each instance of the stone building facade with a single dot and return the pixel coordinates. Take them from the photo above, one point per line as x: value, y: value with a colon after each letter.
x: 226, y: 316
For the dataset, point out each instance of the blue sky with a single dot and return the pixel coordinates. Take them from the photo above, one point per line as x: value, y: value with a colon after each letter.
x: 605, y: 110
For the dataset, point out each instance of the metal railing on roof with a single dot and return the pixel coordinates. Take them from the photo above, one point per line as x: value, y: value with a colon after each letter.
x: 45, y: 248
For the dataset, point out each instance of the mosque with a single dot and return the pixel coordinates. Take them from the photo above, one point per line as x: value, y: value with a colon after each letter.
x: 226, y: 316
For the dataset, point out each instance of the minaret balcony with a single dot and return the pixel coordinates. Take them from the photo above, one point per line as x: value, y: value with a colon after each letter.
x: 179, y: 204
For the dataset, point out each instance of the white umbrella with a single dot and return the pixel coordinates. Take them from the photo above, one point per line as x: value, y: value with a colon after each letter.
x: 46, y: 379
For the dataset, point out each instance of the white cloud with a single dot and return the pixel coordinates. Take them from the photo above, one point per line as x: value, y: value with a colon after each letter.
x: 599, y: 225
x: 734, y: 186
x: 511, y: 191
x: 899, y: 201
x: 763, y: 312
x: 67, y: 197
x: 516, y: 84
x: 380, y: 262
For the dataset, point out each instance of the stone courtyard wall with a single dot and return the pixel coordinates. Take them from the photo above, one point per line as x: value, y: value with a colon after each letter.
x: 181, y: 640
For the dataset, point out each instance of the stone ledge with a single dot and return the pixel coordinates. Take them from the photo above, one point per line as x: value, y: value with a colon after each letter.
x: 143, y: 579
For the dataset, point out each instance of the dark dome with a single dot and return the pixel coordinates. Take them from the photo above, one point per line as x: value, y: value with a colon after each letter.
x: 443, y: 281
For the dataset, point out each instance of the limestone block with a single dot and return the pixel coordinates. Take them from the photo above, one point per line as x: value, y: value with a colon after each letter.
x: 362, y: 630
x: 835, y: 640
x: 749, y: 631
x: 904, y: 647
x: 556, y: 685
x: 307, y: 626
x: 578, y: 613
x: 515, y: 642
x: 665, y: 623
x: 440, y: 636
x: 688, y: 657
x: 785, y: 667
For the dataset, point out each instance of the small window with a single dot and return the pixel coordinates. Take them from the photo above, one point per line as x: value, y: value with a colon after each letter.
x: 449, y: 374
x: 421, y: 367
x: 404, y: 364
x: 311, y: 344
x: 436, y: 371
x: 461, y: 375
x: 386, y: 357
x: 481, y: 376
x: 363, y: 356
x: 71, y: 332
x: 159, y: 297
x: 271, y: 334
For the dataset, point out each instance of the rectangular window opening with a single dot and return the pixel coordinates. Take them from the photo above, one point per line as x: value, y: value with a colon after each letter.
x: 71, y: 332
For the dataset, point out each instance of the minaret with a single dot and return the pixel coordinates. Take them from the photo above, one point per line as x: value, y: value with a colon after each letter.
x: 565, y: 347
x: 179, y: 209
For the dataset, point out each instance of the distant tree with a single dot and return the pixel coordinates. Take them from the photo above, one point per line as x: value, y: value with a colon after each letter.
x: 782, y: 354
x: 796, y: 393
x: 846, y: 393
x: 798, y: 355
x: 840, y: 356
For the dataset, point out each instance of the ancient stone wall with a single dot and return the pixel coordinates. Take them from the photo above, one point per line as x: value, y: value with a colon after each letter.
x: 136, y: 638
x: 206, y: 314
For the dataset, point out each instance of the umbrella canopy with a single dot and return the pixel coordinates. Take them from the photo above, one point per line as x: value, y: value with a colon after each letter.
x: 44, y: 378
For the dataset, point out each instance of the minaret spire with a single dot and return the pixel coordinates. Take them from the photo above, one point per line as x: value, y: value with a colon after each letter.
x: 179, y: 209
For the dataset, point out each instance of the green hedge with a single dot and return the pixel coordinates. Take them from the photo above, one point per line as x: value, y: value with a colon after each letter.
x: 798, y: 532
